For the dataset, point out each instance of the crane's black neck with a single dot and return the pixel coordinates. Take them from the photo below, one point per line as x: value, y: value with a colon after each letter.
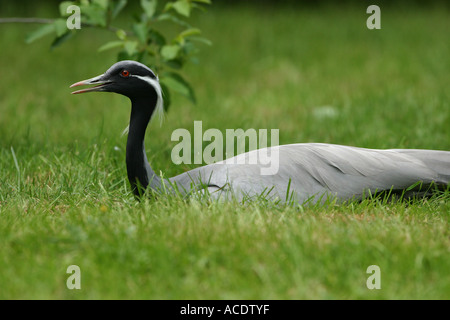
x: 140, y: 174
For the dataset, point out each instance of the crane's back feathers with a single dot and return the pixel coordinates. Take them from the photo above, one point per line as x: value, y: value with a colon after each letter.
x: 315, y: 170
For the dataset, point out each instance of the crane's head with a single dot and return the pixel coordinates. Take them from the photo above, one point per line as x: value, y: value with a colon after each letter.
x: 129, y: 78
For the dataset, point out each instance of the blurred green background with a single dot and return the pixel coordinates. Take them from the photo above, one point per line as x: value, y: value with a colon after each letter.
x: 310, y: 69
x: 314, y: 64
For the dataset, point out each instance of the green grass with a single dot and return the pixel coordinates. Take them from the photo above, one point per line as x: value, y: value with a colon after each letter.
x: 64, y: 197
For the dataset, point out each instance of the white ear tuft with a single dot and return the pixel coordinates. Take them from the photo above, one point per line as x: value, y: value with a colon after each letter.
x: 159, y: 108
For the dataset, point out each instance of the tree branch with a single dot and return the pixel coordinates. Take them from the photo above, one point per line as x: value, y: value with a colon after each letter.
x: 26, y: 20
x: 44, y: 21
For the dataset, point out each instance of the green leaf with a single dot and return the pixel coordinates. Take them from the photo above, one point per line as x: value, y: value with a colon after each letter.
x: 189, y: 48
x: 40, y: 32
x: 149, y: 7
x: 201, y: 40
x: 175, y: 63
x: 130, y: 47
x: 157, y: 38
x: 197, y: 6
x: 111, y: 45
x: 142, y: 56
x: 176, y: 82
x: 170, y: 52
x: 183, y: 7
x: 63, y: 8
x: 140, y: 30
x: 186, y: 33
x: 123, y: 55
x: 203, y: 1
x: 60, y: 27
x: 121, y: 34
x: 172, y: 18
x: 61, y: 39
x: 189, y: 32
x: 117, y: 6
x: 103, y: 4
x: 94, y: 14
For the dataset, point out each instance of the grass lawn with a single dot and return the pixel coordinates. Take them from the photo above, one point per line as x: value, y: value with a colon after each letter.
x: 315, y: 73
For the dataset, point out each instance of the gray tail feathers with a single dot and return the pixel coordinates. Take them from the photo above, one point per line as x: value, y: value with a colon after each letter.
x: 436, y: 160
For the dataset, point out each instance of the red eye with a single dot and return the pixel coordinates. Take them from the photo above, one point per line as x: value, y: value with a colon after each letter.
x: 125, y: 73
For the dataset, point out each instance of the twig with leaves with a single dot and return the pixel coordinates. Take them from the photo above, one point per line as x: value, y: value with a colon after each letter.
x: 145, y: 42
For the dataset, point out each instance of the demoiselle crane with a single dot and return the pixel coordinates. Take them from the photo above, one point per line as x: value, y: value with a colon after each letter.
x: 306, y: 171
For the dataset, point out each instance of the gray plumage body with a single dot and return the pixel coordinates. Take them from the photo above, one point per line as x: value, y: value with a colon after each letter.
x: 306, y: 171
x: 316, y: 171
